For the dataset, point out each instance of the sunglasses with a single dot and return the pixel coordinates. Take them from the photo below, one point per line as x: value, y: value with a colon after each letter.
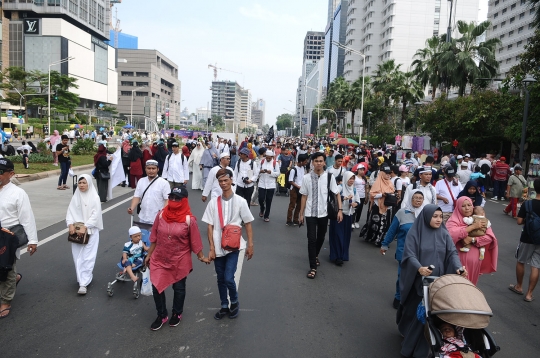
x: 2, y: 171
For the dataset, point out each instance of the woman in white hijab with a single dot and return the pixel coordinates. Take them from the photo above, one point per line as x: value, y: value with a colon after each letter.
x: 339, y: 235
x: 85, y: 207
x: 194, y: 163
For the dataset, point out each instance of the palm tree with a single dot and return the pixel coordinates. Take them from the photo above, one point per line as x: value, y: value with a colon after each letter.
x: 465, y: 59
x: 427, y: 66
x: 353, y: 100
x: 409, y: 90
x: 384, y: 80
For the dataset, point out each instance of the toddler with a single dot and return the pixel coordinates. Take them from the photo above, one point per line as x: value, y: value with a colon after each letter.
x: 453, y: 346
x: 479, y: 215
x: 132, y: 254
x: 25, y: 159
x: 479, y: 177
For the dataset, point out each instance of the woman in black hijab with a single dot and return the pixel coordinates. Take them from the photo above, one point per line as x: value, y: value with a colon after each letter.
x: 135, y: 156
x: 160, y: 156
x: 471, y: 191
x: 427, y: 243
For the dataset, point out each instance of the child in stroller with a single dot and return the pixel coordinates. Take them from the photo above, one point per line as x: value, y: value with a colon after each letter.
x: 453, y: 345
x: 133, y: 252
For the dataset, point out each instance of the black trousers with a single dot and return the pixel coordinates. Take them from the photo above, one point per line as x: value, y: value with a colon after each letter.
x: 316, y: 231
x: 245, y: 193
x: 265, y: 201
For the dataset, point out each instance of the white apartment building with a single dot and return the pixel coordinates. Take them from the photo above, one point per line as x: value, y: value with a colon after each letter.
x: 245, y: 109
x: 314, y: 93
x: 511, y: 22
x: 202, y: 114
x: 392, y: 29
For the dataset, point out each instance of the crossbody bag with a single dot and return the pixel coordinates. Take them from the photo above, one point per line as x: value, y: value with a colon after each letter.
x: 451, y: 194
x: 140, y: 202
x: 230, y: 234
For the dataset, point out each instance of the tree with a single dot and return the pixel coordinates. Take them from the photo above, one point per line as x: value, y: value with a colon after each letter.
x: 284, y: 121
x: 265, y: 128
x: 532, y: 4
x: 410, y: 90
x: 65, y: 102
x: 427, y: 65
x: 384, y: 81
x: 465, y: 59
x: 217, y: 121
x: 353, y: 99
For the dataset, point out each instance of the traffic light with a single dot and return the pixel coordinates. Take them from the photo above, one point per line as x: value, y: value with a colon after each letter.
x: 56, y: 95
x: 162, y: 119
x: 209, y: 121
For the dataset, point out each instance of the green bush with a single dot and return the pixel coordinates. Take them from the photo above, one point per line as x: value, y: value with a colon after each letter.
x: 84, y: 146
x: 33, y: 158
x: 43, y: 148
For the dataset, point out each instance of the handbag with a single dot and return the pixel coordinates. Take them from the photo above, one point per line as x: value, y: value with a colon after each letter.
x: 230, y: 234
x: 19, y: 232
x: 140, y: 201
x: 105, y: 175
x: 390, y: 200
x: 80, y: 236
x: 332, y: 207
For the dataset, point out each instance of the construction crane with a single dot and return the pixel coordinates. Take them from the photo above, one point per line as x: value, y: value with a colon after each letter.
x: 112, y: 2
x: 222, y: 69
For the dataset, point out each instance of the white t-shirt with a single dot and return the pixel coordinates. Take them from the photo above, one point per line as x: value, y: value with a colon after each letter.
x: 133, y: 249
x: 153, y: 200
x: 360, y: 186
x: 442, y: 190
x: 397, y: 182
x: 235, y: 210
x: 336, y: 172
x: 297, y: 175
x: 405, y: 182
x: 322, y: 195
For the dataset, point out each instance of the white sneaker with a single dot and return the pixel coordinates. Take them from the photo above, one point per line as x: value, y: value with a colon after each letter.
x: 82, y: 290
x: 494, y: 198
x: 357, y: 225
x: 353, y: 226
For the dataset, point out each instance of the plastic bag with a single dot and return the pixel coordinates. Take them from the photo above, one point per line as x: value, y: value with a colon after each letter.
x: 71, y: 173
x: 146, y: 286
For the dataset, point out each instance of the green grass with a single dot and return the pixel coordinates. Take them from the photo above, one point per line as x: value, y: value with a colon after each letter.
x: 76, y: 160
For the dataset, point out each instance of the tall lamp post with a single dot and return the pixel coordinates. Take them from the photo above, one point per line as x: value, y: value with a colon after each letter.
x: 417, y: 104
x: 368, y: 126
x: 324, y: 109
x: 49, y: 87
x: 131, y: 112
x: 342, y: 46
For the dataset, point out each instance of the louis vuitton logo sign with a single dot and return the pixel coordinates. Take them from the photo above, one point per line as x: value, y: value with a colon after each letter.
x: 31, y: 26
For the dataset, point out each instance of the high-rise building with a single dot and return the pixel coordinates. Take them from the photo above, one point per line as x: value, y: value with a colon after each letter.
x: 245, y: 110
x: 203, y: 114
x: 227, y: 103
x: 258, y: 110
x: 36, y: 34
x: 511, y: 22
x: 124, y: 40
x: 332, y: 5
x: 151, y: 79
x: 390, y: 29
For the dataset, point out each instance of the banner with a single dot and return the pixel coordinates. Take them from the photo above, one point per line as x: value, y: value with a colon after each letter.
x: 184, y: 133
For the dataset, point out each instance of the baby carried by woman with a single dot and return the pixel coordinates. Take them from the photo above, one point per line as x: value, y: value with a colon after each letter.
x: 479, y: 215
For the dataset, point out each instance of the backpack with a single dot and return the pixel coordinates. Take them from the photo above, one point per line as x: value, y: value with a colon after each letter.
x: 414, y: 186
x: 169, y: 157
x: 532, y: 223
x: 238, y: 165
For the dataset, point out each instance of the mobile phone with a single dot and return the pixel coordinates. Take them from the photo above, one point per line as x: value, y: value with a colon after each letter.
x: 301, y: 224
x: 431, y: 267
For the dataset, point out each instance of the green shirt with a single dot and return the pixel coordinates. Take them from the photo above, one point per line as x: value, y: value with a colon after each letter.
x: 516, y: 184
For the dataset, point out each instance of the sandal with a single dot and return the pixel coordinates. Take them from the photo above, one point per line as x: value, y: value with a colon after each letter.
x: 19, y: 280
x: 8, y: 309
x: 266, y: 220
x: 60, y: 188
x: 513, y: 289
x: 311, y: 274
x: 66, y: 187
x: 318, y: 262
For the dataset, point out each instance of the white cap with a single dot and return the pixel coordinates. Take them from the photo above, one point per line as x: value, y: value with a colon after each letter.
x: 224, y: 154
x: 464, y: 164
x: 134, y: 230
x: 269, y: 153
x: 468, y: 155
x: 460, y: 157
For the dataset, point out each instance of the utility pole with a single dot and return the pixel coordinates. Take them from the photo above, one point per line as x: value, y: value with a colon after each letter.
x: 448, y: 40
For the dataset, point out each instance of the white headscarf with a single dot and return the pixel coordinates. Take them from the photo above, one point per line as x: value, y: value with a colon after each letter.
x: 411, y: 208
x: 347, y: 189
x: 86, y: 207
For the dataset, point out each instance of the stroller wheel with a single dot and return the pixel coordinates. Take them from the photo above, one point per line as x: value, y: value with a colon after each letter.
x: 110, y: 291
x: 136, y: 293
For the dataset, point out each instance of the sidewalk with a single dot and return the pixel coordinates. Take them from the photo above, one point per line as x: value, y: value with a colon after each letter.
x: 50, y: 205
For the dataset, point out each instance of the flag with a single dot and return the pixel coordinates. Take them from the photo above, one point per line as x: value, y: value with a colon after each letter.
x: 117, y: 172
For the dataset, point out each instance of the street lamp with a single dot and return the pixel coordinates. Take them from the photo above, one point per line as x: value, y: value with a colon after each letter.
x: 324, y: 109
x: 131, y: 113
x: 340, y: 45
x: 49, y: 86
x: 417, y: 104
x: 368, y: 126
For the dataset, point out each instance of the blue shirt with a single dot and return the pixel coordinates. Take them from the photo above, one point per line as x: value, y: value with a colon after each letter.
x: 396, y: 229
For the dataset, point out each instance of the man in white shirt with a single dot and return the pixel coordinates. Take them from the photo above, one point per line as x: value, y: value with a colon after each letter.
x: 234, y: 211
x: 296, y: 176
x: 267, y: 184
x: 313, y: 207
x: 448, y: 190
x: 337, y: 170
x: 212, y: 183
x: 176, y: 169
x: 24, y: 146
x: 15, y: 210
x: 471, y: 164
x: 152, y: 192
x: 246, y: 173
x: 424, y: 185
x: 463, y: 174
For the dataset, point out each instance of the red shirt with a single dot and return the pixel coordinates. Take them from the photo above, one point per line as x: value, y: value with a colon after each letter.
x: 455, y: 143
x: 500, y: 171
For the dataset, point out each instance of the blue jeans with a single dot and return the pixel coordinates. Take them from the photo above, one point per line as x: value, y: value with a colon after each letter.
x: 179, y: 289
x: 64, y: 170
x: 225, y: 267
x: 499, y: 187
x: 398, y: 295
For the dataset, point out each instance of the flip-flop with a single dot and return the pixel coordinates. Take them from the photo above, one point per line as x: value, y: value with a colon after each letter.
x: 4, y: 310
x: 17, y: 284
x: 60, y: 188
x: 527, y: 299
x: 513, y: 289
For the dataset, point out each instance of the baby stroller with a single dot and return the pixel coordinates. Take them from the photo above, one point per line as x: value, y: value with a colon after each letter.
x: 455, y: 300
x: 137, y: 271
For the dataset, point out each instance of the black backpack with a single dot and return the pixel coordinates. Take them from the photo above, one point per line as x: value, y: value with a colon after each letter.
x: 532, y: 223
x: 169, y: 158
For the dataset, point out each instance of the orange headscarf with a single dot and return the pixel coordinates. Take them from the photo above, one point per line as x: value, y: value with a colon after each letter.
x: 381, y: 186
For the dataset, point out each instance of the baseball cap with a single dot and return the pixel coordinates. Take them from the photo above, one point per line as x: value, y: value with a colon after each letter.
x: 502, y: 159
x: 518, y: 167
x: 6, y: 164
x: 180, y: 192
x: 449, y: 170
x: 175, y: 144
x: 386, y: 169
x: 403, y: 168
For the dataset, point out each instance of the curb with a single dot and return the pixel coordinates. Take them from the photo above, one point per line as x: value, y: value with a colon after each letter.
x: 24, y: 178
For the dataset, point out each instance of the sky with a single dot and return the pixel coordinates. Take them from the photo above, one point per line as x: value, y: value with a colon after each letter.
x: 263, y: 40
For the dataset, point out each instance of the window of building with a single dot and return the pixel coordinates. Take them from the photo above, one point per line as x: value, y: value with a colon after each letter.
x: 101, y: 74
x: 83, y: 11
x: 531, y: 26
x: 510, y: 33
x: 495, y: 15
x: 140, y: 84
x: 522, y: 15
x: 74, y: 7
x: 504, y: 10
x: 508, y: 60
x: 101, y: 18
x: 495, y: 27
x: 142, y: 74
x: 510, y: 47
x: 520, y: 30
x: 92, y: 12
x: 127, y: 83
x: 125, y: 93
x: 512, y: 7
x: 496, y: 2
x: 523, y: 2
x: 512, y: 19
x: 501, y: 50
x: 503, y: 23
x: 141, y: 94
x: 518, y: 44
x: 501, y: 37
x: 531, y: 11
x: 126, y: 73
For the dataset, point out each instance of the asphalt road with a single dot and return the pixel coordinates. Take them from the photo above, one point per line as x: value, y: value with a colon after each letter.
x: 345, y: 312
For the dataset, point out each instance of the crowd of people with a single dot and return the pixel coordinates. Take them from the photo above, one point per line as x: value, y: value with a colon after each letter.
x: 434, y: 213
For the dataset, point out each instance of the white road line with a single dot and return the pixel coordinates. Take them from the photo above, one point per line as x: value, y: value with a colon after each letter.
x: 63, y: 232
x: 239, y: 268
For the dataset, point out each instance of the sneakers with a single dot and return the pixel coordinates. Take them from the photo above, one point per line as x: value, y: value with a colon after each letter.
x: 357, y: 225
x: 175, y: 320
x: 82, y: 290
x: 494, y: 198
x: 158, y: 323
x: 235, y: 310
x: 221, y: 313
x: 353, y: 226
x: 289, y: 223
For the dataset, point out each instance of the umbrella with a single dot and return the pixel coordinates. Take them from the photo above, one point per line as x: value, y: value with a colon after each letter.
x: 101, y: 129
x: 345, y: 141
x: 335, y: 135
x: 127, y: 126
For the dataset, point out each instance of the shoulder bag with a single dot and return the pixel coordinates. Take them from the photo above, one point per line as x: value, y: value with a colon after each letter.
x: 451, y: 194
x: 332, y: 207
x: 230, y: 234
x: 140, y: 202
x: 19, y: 232
x: 105, y: 175
x: 80, y: 236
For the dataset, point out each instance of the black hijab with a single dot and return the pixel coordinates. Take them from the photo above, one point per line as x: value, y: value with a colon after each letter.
x: 135, y: 152
x: 476, y: 197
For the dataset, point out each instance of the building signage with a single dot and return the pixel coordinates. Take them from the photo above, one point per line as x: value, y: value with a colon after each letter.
x: 99, y: 43
x: 31, y: 26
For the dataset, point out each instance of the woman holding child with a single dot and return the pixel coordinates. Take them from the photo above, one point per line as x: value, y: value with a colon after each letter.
x: 175, y: 234
x: 459, y: 230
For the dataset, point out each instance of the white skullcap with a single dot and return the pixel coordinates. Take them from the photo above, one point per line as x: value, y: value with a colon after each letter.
x: 134, y: 230
x: 269, y: 153
x: 224, y: 154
